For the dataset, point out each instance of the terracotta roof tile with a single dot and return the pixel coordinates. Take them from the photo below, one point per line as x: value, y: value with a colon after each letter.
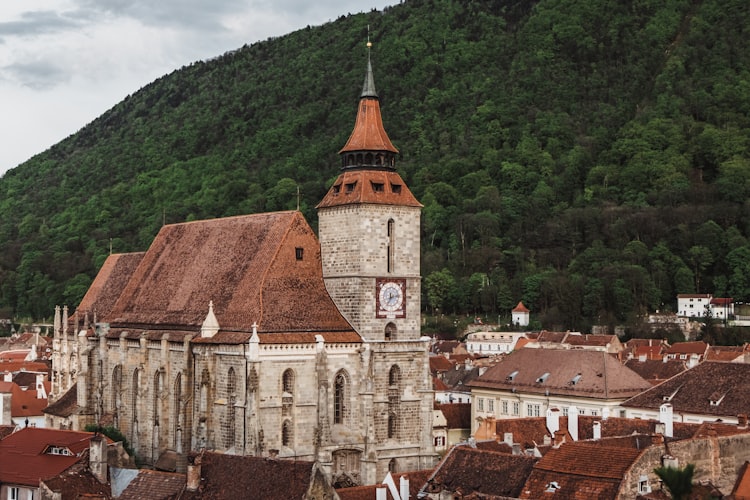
x: 601, y: 375
x: 247, y: 265
x: 382, y: 187
x: 368, y: 133
x: 696, y: 347
x: 108, y: 284
x: 77, y: 483
x: 416, y: 480
x: 23, y: 402
x: 231, y: 476
x: 457, y: 415
x: 692, y: 390
x: 66, y: 405
x: 466, y: 470
x: 154, y: 485
x: 656, y: 370
x: 440, y: 364
x: 23, y: 458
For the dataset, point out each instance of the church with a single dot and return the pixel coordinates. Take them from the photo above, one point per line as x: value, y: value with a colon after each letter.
x: 249, y: 335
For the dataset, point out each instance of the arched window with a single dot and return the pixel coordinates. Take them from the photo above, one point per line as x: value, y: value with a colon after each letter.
x: 392, y: 426
x: 158, y: 388
x: 394, y: 376
x: 340, y: 390
x: 391, y: 244
x: 177, y: 413
x: 287, y: 434
x: 390, y: 331
x: 116, y: 387
x: 231, y: 396
x: 205, y: 380
x: 392, y: 467
x: 287, y: 381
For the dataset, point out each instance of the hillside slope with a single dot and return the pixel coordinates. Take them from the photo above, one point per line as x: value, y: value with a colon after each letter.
x: 587, y: 157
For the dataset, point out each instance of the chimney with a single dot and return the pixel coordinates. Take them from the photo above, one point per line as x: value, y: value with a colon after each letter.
x: 98, y: 458
x: 693, y: 361
x: 404, y: 488
x: 742, y: 420
x: 40, y: 392
x: 670, y: 461
x: 508, y: 438
x: 553, y: 420
x: 666, y: 418
x: 194, y: 473
x: 559, y: 439
x: 381, y: 493
x: 573, y: 422
x: 597, y: 430
x: 605, y: 413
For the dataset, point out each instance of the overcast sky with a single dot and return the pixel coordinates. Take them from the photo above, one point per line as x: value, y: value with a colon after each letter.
x: 65, y: 62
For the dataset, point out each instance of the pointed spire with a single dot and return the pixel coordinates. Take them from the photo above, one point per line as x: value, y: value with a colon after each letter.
x: 210, y: 324
x: 369, y: 145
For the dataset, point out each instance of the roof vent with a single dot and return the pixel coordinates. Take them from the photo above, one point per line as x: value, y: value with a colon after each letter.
x: 552, y: 487
x: 512, y: 375
x: 716, y: 398
x: 575, y: 379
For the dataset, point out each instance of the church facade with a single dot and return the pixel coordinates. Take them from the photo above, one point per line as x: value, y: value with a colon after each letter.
x: 250, y: 335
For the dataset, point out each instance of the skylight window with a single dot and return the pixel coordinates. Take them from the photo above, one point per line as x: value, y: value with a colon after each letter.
x: 575, y: 379
x: 512, y: 375
x: 543, y: 378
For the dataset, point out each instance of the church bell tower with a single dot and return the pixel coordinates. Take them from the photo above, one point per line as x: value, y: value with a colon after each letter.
x: 369, y: 229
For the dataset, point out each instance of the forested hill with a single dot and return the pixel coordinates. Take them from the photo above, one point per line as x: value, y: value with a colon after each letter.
x: 589, y: 157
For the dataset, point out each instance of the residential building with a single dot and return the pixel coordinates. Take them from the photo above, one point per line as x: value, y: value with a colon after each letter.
x: 520, y: 315
x: 23, y: 396
x: 248, y: 335
x: 529, y: 382
x: 708, y: 392
x: 492, y: 343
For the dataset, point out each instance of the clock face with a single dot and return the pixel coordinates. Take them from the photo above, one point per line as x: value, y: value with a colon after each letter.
x: 390, y: 298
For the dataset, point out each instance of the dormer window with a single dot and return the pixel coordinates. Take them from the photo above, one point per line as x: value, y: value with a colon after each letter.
x: 543, y: 378
x: 350, y: 187
x: 575, y: 379
x: 716, y: 398
x: 512, y: 375
x: 378, y: 187
x: 396, y: 188
x: 337, y: 189
x: 58, y: 450
x: 552, y: 487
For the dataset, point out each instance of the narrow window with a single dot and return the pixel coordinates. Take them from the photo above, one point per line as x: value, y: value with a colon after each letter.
x: 287, y: 382
x: 350, y: 187
x: 339, y: 398
x: 391, y: 244
x: 378, y: 187
x: 392, y: 425
x: 299, y: 252
x: 286, y: 433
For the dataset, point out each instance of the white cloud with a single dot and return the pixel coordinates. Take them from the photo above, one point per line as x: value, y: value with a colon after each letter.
x: 65, y: 62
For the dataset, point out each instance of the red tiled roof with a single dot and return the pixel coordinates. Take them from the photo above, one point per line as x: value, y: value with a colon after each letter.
x: 656, y: 370
x: 581, y: 471
x: 466, y: 471
x: 721, y: 301
x: 232, y: 476
x: 416, y: 480
x: 520, y: 308
x: 439, y: 385
x: 15, y: 355
x: 77, y: 483
x: 23, y: 458
x: 696, y: 347
x: 66, y: 405
x: 741, y: 490
x: 457, y: 415
x: 108, y: 284
x: 724, y: 353
x: 23, y: 403
x: 359, y: 186
x: 589, y: 374
x: 368, y: 133
x: 247, y: 265
x: 154, y: 485
x: 440, y: 363
x: 710, y: 388
x: 591, y: 340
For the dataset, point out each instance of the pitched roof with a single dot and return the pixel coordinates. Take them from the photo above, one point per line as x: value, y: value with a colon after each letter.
x: 232, y: 476
x: 656, y: 370
x: 249, y: 266
x: 24, y: 402
x: 154, y: 485
x: 520, y: 308
x: 457, y: 415
x: 416, y: 480
x: 380, y: 187
x: 694, y: 347
x: 579, y: 471
x: 25, y: 461
x: 109, y: 283
x: 77, y: 483
x: 589, y: 374
x: 440, y: 364
x: 710, y: 388
x: 725, y: 352
x: 466, y: 471
x: 66, y: 405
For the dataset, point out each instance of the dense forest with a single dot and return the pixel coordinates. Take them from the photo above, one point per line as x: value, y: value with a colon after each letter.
x: 589, y: 157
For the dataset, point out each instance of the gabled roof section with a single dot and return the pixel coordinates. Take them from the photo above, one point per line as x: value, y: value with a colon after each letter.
x: 379, y: 187
x: 482, y: 473
x: 692, y: 391
x: 261, y: 269
x: 590, y: 374
x: 109, y: 283
x: 25, y: 461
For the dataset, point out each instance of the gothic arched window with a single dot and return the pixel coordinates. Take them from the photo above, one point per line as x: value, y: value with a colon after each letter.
x: 340, y: 390
x: 391, y: 245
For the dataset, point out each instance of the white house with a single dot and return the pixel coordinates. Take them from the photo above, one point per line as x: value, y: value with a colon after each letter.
x: 520, y: 315
x: 489, y: 343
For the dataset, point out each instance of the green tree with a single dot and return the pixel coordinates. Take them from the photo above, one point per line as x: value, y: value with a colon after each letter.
x: 439, y: 285
x: 678, y: 480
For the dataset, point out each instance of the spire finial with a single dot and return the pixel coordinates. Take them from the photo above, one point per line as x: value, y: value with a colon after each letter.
x: 368, y: 90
